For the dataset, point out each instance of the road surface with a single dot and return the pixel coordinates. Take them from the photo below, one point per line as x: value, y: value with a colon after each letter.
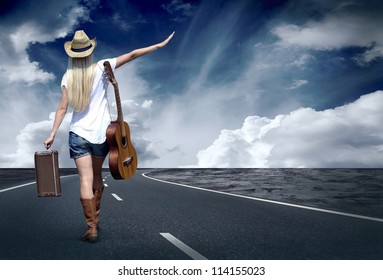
x: 146, y: 219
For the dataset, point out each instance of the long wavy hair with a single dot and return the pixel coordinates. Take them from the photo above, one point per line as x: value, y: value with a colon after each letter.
x: 79, y: 82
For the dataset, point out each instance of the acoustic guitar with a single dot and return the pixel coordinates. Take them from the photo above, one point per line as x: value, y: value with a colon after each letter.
x: 122, y: 155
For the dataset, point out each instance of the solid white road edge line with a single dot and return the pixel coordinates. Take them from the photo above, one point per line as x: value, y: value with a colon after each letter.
x: 31, y: 183
x: 183, y: 247
x: 117, y: 197
x: 272, y: 201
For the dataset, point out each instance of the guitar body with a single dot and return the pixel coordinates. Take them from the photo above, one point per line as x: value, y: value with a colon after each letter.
x: 122, y: 155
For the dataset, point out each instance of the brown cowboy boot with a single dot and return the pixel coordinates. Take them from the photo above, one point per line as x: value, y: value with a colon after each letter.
x: 98, y: 195
x: 89, y: 206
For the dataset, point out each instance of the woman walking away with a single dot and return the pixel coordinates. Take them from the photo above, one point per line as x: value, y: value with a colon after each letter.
x: 84, y: 87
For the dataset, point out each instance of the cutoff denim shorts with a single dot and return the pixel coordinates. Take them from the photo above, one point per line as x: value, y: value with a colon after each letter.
x: 79, y: 147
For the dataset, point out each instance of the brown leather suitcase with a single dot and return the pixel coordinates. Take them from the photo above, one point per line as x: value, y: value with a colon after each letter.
x: 47, y: 173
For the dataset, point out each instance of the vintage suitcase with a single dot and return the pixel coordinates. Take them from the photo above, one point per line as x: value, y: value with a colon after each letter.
x: 47, y: 173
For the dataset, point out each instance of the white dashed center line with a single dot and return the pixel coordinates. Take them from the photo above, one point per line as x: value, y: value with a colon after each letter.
x: 183, y: 247
x: 117, y: 197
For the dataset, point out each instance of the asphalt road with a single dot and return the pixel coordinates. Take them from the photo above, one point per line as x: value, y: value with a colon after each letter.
x: 145, y: 219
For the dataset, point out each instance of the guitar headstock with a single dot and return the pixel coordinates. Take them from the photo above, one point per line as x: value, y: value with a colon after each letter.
x: 109, y: 72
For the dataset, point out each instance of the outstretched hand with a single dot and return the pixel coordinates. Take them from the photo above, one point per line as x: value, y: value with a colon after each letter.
x: 165, y: 42
x: 122, y: 59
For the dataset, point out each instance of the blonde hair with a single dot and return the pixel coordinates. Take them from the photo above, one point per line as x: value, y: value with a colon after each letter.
x: 79, y: 82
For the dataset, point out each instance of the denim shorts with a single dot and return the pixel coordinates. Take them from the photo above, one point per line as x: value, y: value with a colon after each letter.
x: 79, y: 147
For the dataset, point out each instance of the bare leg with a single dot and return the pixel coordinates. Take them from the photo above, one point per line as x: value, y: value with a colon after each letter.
x: 85, y: 170
x: 98, y: 186
x: 97, y: 172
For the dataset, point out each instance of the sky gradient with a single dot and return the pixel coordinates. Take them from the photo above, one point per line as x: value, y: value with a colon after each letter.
x: 242, y: 84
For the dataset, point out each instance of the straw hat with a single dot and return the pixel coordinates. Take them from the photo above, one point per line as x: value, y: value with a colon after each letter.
x: 80, y: 46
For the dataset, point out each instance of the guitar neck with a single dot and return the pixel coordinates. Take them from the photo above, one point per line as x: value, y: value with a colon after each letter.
x: 112, y: 79
x: 120, y: 116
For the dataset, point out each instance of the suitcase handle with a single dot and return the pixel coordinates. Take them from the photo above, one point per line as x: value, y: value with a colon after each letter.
x: 45, y: 153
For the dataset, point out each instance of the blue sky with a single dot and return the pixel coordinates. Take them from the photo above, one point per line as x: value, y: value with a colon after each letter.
x: 242, y: 84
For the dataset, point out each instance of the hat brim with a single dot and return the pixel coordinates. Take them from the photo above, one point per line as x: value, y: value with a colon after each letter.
x: 70, y: 53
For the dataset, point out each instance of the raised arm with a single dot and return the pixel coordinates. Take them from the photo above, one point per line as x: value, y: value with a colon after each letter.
x: 121, y: 60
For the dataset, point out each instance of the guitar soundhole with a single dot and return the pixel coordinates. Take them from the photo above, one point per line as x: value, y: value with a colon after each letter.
x: 124, y: 141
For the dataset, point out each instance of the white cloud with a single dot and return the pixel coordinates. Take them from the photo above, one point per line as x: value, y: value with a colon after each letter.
x: 31, y: 139
x: 26, y: 71
x: 344, y: 26
x: 240, y: 148
x: 181, y: 10
x: 15, y: 40
x: 369, y: 55
x: 346, y: 136
x: 147, y: 104
x: 121, y: 22
x: 297, y: 84
x: 191, y: 120
x: 302, y: 60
